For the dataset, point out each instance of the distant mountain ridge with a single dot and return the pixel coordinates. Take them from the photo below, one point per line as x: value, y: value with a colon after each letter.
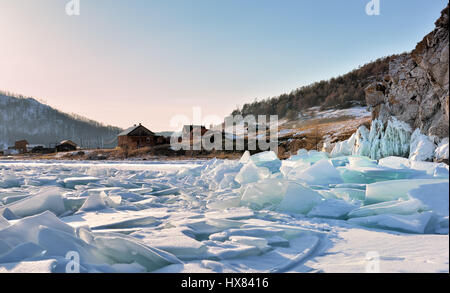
x: 26, y: 118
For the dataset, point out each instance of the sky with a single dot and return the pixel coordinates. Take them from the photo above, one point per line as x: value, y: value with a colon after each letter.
x: 122, y: 62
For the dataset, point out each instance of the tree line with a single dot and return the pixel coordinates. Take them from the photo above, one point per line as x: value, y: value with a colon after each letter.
x: 340, y: 92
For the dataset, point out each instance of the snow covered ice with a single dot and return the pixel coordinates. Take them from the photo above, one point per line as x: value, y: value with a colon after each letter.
x: 314, y: 212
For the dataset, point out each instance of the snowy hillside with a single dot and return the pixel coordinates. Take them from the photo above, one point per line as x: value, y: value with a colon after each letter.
x: 310, y: 213
x: 26, y: 118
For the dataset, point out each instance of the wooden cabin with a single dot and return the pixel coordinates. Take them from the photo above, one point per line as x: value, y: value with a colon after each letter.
x: 136, y: 137
x: 21, y: 146
x: 66, y: 146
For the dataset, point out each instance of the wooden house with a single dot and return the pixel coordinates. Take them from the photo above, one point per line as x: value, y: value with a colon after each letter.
x: 21, y: 146
x: 136, y: 137
x: 66, y: 146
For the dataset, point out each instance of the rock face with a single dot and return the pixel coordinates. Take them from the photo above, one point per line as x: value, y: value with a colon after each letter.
x: 410, y: 106
x: 416, y: 90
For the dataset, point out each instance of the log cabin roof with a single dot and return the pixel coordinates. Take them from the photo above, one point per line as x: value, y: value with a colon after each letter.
x: 69, y: 142
x: 129, y: 131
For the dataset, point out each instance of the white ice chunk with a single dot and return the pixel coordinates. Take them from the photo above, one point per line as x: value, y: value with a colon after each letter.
x: 398, y: 207
x: 310, y: 157
x: 258, y: 242
x: 395, y: 189
x: 416, y: 223
x: 22, y: 251
x: 251, y: 173
x: 332, y: 208
x: 299, y: 199
x: 71, y: 182
x: 47, y: 199
x: 266, y: 192
x: 421, y: 148
x: 175, y: 242
x: 35, y: 266
x: 27, y: 229
x: 433, y: 196
x: 245, y: 157
x: 321, y: 173
x: 126, y: 249
x: 231, y: 250
x: 268, y: 160
x: 442, y: 150
x: 8, y: 179
x: 94, y: 202
x: 3, y: 222
x: 343, y: 148
x: 349, y: 194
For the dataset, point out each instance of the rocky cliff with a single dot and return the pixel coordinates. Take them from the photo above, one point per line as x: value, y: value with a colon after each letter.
x: 410, y: 106
x: 416, y: 90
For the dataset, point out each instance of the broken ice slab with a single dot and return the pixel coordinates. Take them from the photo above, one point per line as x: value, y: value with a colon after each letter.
x: 260, y: 243
x: 333, y: 209
x: 268, y: 159
x: 13, y: 198
x: 230, y: 250
x: 278, y: 260
x: 71, y: 182
x: 8, y: 179
x: 349, y: 194
x: 321, y: 173
x: 264, y: 193
x: 47, y: 199
x: 231, y: 213
x: 299, y: 199
x: 224, y: 202
x: 168, y: 191
x: 121, y: 248
x: 311, y: 157
x: 396, y: 189
x: 32, y: 266
x: 94, y: 202
x: 433, y: 197
x: 436, y: 170
x: 250, y: 173
x: 173, y: 240
x: 254, y: 231
x: 3, y: 222
x: 397, y: 207
x: 416, y: 223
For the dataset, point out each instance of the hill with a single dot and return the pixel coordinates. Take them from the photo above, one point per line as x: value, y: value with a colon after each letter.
x: 337, y: 93
x: 26, y: 118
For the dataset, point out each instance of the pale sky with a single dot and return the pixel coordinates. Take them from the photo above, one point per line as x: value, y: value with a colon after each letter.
x: 127, y: 61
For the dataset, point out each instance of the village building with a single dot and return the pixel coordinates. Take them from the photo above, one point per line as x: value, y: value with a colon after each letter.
x: 21, y: 146
x: 190, y: 130
x: 66, y: 146
x: 31, y: 147
x: 137, y: 137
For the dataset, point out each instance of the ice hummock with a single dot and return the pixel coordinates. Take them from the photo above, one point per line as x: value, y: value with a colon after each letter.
x: 392, y: 139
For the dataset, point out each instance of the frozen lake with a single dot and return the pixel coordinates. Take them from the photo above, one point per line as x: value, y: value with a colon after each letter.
x: 306, y: 214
